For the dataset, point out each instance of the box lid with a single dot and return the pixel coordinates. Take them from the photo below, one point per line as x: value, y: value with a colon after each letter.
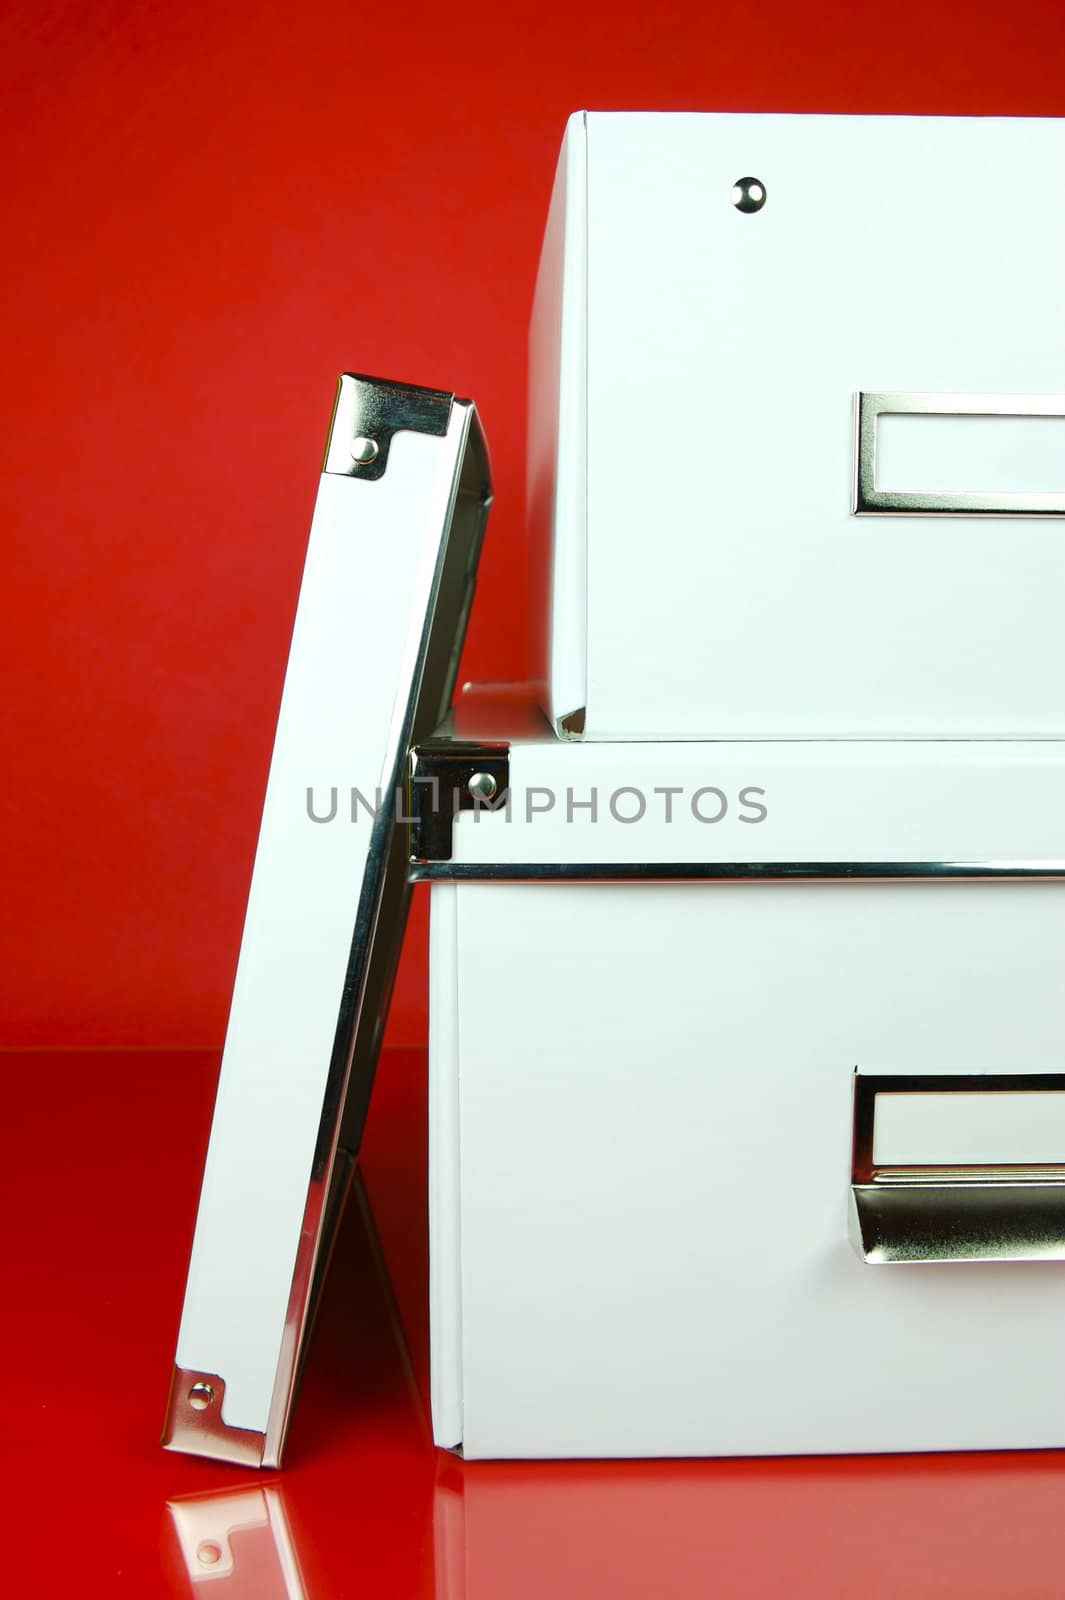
x: 726, y: 809
x: 386, y: 591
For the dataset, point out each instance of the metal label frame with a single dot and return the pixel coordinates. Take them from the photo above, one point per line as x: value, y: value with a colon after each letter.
x: 871, y: 405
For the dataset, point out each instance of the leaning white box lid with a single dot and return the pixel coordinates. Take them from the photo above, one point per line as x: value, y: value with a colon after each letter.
x: 496, y: 795
x: 724, y: 545
x: 387, y: 585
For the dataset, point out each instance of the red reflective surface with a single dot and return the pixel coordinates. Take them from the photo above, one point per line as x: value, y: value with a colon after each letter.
x: 101, y: 1174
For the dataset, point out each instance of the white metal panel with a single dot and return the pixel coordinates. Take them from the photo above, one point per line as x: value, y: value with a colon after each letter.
x: 557, y: 464
x: 969, y: 1128
x: 445, y: 1234
x: 886, y: 800
x: 730, y: 592
x: 362, y: 608
x: 954, y: 454
x: 656, y: 1113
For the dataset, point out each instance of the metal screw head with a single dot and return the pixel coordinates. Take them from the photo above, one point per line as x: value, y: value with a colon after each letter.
x: 200, y: 1396
x: 482, y: 786
x: 748, y: 194
x: 364, y: 451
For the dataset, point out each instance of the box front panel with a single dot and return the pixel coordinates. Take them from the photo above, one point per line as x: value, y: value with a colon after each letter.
x: 731, y: 591
x: 656, y: 1107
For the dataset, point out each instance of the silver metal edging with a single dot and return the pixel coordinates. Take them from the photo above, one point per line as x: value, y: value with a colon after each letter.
x: 312, y: 1227
x: 868, y: 500
x: 736, y: 871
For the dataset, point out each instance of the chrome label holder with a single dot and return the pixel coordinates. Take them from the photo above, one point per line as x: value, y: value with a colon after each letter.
x: 868, y: 500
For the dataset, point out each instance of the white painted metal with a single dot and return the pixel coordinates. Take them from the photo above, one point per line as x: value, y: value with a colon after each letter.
x: 362, y: 608
x: 953, y: 455
x: 969, y: 1128
x: 557, y: 436
x: 707, y: 363
x: 655, y: 1090
x: 445, y: 1241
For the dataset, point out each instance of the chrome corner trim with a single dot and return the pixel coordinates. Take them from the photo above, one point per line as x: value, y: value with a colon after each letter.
x: 948, y: 1213
x: 195, y: 1426
x: 367, y: 412
x: 871, y: 405
x: 739, y: 871
x: 446, y: 776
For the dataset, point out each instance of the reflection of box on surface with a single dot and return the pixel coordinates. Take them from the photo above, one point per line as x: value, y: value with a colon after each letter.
x: 674, y: 1529
x: 693, y: 453
x: 645, y: 1159
x: 238, y: 1545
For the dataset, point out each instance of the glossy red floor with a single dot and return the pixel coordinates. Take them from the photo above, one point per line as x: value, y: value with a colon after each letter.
x: 102, y: 1163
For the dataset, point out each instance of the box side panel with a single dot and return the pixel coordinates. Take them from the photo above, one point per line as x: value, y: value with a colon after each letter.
x: 556, y: 439
x: 657, y: 1168
x: 445, y: 1240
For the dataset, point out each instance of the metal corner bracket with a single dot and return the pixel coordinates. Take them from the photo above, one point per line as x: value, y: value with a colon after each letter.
x: 446, y: 777
x: 194, y: 1423
x: 367, y: 412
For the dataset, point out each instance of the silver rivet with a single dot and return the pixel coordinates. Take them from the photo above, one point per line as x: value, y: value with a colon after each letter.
x: 748, y: 194
x: 209, y: 1554
x: 364, y: 451
x: 482, y: 786
x: 200, y: 1396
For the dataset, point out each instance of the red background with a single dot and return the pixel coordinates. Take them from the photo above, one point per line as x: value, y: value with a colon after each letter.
x: 210, y: 210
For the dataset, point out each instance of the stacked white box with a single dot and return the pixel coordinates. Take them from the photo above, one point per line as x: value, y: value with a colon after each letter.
x: 694, y: 372
x: 645, y: 1042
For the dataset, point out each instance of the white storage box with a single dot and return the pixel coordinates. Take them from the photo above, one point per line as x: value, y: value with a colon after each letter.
x: 747, y: 1128
x: 715, y: 293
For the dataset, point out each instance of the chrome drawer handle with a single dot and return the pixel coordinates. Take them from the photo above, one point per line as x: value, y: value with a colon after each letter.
x: 954, y: 1211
